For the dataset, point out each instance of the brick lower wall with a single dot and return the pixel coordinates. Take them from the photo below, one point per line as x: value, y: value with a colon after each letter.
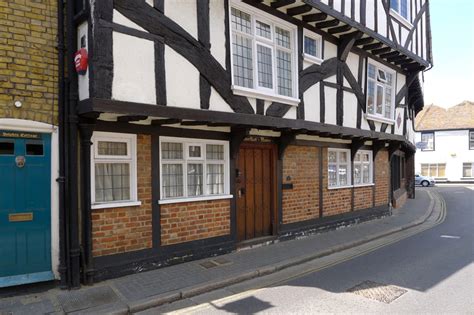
x: 382, y: 178
x: 363, y: 197
x: 301, y: 168
x: 119, y: 230
x: 190, y: 221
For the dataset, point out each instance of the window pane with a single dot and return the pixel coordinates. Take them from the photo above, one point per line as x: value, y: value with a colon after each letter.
x: 112, y: 182
x: 284, y: 73
x: 365, y: 173
x: 424, y: 169
x: 342, y: 171
x: 195, y: 180
x: 172, y: 180
x: 215, y: 152
x: 394, y: 4
x: 379, y: 99
x: 371, y: 71
x: 112, y: 148
x: 441, y: 170
x: 471, y: 140
x: 215, y: 179
x: 404, y: 8
x: 388, y: 102
x: 283, y: 37
x: 357, y: 173
x: 366, y: 157
x: 310, y: 46
x: 433, y: 170
x: 427, y: 139
x: 194, y: 151
x: 370, y: 97
x: 467, y: 170
x: 264, y: 30
x: 171, y: 151
x: 242, y: 61
x: 34, y: 148
x: 332, y: 156
x: 7, y: 147
x: 332, y: 175
x: 264, y: 63
x: 241, y: 21
x: 342, y: 157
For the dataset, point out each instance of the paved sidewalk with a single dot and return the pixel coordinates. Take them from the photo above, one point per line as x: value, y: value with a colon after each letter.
x: 147, y: 289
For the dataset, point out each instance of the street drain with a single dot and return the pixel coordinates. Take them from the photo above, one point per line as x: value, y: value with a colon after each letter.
x: 208, y: 264
x: 377, y: 291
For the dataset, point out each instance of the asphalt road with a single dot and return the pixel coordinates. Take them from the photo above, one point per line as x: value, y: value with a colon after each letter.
x: 431, y: 272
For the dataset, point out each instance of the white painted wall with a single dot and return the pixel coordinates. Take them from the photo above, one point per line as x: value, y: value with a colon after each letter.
x: 83, y: 80
x: 330, y: 102
x: 452, y: 148
x: 350, y: 110
x: 134, y: 71
x: 184, y: 13
x: 217, y: 30
x: 312, y: 103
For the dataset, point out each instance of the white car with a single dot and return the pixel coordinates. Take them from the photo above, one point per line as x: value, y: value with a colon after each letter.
x: 424, y: 181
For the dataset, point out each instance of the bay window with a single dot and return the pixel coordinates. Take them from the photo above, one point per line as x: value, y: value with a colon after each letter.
x: 401, y: 7
x: 339, y: 167
x: 193, y: 168
x: 263, y: 55
x: 380, y: 92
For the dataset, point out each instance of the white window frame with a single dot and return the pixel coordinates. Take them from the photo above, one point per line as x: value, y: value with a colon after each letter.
x: 131, y: 158
x: 375, y: 116
x: 371, y: 168
x: 433, y: 142
x: 186, y: 142
x: 437, y: 169
x: 471, y: 139
x: 472, y: 170
x: 349, y: 168
x: 319, y: 41
x: 397, y: 14
x: 257, y: 91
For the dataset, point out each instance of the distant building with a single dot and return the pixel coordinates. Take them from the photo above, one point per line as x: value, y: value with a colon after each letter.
x: 445, y: 142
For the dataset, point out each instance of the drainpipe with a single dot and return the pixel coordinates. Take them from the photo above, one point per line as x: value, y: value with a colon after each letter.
x: 72, y: 121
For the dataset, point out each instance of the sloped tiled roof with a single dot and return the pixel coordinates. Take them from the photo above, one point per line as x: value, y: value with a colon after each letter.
x: 433, y: 117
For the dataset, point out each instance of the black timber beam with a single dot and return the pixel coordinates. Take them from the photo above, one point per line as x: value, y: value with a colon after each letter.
x: 238, y: 135
x: 339, y: 29
x: 286, y: 138
x: 305, y: 8
x: 194, y: 123
x: 396, y: 58
x: 381, y: 50
x: 315, y: 17
x: 281, y: 3
x: 131, y: 118
x: 160, y: 122
x: 326, y: 24
x: 364, y: 41
x: 355, y: 146
x: 377, y: 145
x: 372, y: 46
x: 390, y: 54
x: 346, y: 44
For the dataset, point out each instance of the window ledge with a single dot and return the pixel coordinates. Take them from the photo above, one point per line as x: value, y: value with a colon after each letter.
x: 238, y: 90
x: 340, y: 187
x: 467, y: 178
x: 116, y: 204
x: 380, y: 119
x: 363, y: 185
x: 401, y: 19
x: 194, y: 199
x: 313, y: 59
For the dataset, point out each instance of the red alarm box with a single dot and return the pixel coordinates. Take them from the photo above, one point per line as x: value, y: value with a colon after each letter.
x: 81, y: 61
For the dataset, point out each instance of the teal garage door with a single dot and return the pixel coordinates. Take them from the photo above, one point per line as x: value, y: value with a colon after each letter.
x: 25, y: 208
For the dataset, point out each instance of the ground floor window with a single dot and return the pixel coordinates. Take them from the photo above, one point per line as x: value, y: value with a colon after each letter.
x: 468, y: 170
x: 113, y: 168
x: 193, y: 168
x: 363, y: 167
x: 339, y: 167
x: 433, y: 169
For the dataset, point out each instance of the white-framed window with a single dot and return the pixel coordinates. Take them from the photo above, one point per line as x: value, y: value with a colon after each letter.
x: 113, y: 170
x: 401, y: 7
x: 193, y: 168
x: 380, y: 92
x: 312, y: 47
x: 339, y: 167
x: 471, y: 140
x: 363, y: 168
x: 468, y: 169
x: 427, y: 138
x: 433, y: 169
x: 263, y: 55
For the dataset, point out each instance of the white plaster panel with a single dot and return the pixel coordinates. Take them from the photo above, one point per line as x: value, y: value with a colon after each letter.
x: 404, y: 36
x: 291, y: 114
x: 357, y: 10
x: 266, y: 104
x: 83, y: 80
x: 347, y: 9
x: 217, y: 103
x: 330, y: 102
x: 381, y: 19
x: 119, y: 18
x: 363, y: 123
x: 399, y: 129
x: 311, y: 103
x: 337, y: 5
x: 352, y: 62
x: 400, y: 81
x: 183, y: 12
x: 378, y: 125
x: 369, y: 17
x: 350, y: 110
x: 217, y: 30
x: 182, y: 81
x: 134, y: 70
x: 331, y: 79
x: 330, y: 50
x: 423, y: 37
x: 150, y: 2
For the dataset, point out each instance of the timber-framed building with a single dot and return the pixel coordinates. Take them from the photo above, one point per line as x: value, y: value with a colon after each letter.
x: 203, y: 126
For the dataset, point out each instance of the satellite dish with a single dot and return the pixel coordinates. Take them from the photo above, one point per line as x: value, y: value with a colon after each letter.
x: 421, y: 145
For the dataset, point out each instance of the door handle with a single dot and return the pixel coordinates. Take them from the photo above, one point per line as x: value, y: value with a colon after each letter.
x: 241, y: 192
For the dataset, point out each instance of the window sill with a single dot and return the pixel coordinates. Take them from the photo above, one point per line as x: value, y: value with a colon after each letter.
x: 363, y: 185
x: 467, y: 178
x: 340, y: 187
x: 116, y: 205
x: 313, y: 59
x: 401, y: 19
x: 380, y: 119
x: 238, y: 90
x: 194, y: 199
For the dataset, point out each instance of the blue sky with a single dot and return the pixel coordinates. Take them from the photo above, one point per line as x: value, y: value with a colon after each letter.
x: 451, y: 80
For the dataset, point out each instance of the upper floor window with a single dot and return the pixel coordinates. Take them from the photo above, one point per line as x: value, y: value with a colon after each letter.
x: 401, y: 7
x: 313, y: 48
x: 380, y: 91
x: 263, y: 53
x: 471, y: 140
x: 427, y: 138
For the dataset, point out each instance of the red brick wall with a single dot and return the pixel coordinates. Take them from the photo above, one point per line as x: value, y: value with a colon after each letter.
x: 362, y: 197
x: 119, y: 230
x: 189, y: 221
x: 382, y: 178
x: 335, y: 201
x: 301, y: 203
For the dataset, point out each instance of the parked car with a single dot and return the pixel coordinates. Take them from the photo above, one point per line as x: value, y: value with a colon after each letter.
x: 424, y: 181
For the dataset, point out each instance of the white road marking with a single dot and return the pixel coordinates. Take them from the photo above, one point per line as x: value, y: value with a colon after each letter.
x: 450, y: 236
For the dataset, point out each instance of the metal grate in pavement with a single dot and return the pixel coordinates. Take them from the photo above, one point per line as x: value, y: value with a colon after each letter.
x: 208, y: 264
x: 377, y: 291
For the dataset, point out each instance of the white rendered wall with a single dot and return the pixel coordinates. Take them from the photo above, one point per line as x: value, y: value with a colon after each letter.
x: 312, y: 103
x: 217, y: 30
x: 184, y: 13
x: 452, y: 148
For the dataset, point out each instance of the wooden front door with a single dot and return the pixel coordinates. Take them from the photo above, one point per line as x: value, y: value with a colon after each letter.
x: 256, y: 190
